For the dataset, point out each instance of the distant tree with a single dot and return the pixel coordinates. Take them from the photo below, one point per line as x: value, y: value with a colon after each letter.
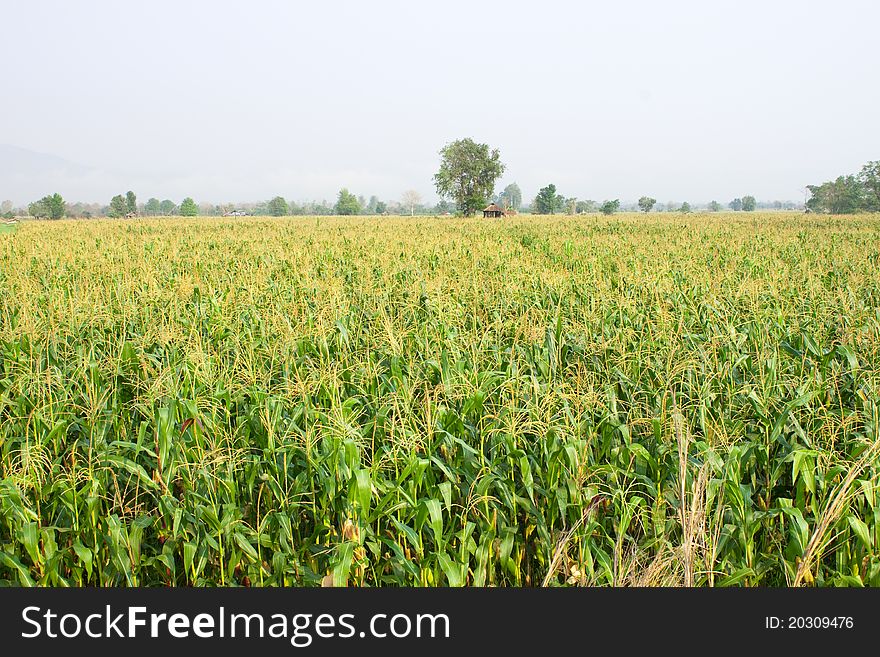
x: 736, y: 204
x: 467, y: 174
x: 749, y: 204
x: 57, y: 206
x: 167, y: 207
x: 610, y: 207
x: 685, y: 208
x: 646, y: 203
x: 48, y: 207
x: 131, y: 202
x: 152, y: 207
x: 548, y: 201
x: 842, y: 196
x: 6, y: 207
x: 869, y: 177
x: 38, y: 210
x: 315, y: 208
x: 278, y: 207
x: 347, y: 203
x: 583, y: 207
x: 188, y: 208
x: 118, y: 207
x: 410, y: 199
x: 714, y: 206
x: 511, y: 197
x: 443, y: 207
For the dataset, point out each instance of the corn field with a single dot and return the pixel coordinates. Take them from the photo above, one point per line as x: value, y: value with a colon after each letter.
x: 583, y: 401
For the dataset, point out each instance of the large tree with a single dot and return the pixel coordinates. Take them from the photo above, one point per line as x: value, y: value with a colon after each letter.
x: 511, y: 197
x: 749, y: 203
x: 646, y: 203
x: 152, y: 207
x: 347, y: 203
x: 131, y: 203
x: 736, y: 204
x: 548, y: 201
x: 610, y: 207
x: 167, y: 207
x: 467, y: 174
x: 118, y: 207
x: 842, y: 196
x: 714, y: 206
x: 48, y: 207
x: 188, y: 208
x: 869, y: 177
x: 278, y: 207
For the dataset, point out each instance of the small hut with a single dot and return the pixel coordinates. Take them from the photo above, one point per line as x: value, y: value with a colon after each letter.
x: 492, y: 211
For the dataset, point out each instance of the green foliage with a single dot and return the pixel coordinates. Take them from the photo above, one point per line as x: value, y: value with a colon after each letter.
x: 610, y: 207
x: 646, y: 203
x: 386, y: 402
x: 736, y: 204
x: 842, y: 196
x: 131, y: 202
x: 347, y: 203
x: 118, y: 207
x: 153, y: 207
x: 848, y: 194
x: 167, y: 208
x: 188, y: 208
x: 869, y: 178
x: 548, y: 201
x: 685, y: 208
x: 467, y: 174
x: 749, y: 204
x: 278, y: 207
x: 48, y: 207
x: 714, y: 206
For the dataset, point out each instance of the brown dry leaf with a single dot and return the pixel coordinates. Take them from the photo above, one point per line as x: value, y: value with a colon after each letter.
x: 350, y: 531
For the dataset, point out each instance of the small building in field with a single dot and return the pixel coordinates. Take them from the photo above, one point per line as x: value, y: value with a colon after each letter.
x: 493, y: 210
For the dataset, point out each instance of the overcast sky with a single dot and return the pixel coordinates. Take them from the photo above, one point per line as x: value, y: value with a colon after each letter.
x: 236, y: 101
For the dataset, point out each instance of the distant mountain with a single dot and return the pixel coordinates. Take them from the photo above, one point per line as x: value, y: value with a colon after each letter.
x: 26, y: 175
x: 22, y: 162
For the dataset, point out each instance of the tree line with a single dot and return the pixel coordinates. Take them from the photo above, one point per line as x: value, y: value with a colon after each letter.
x: 465, y: 183
x: 127, y: 205
x: 859, y: 192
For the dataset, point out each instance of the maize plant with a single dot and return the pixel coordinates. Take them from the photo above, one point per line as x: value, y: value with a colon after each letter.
x: 558, y: 401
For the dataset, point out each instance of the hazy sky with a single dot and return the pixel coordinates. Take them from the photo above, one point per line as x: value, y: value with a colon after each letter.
x: 228, y: 101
